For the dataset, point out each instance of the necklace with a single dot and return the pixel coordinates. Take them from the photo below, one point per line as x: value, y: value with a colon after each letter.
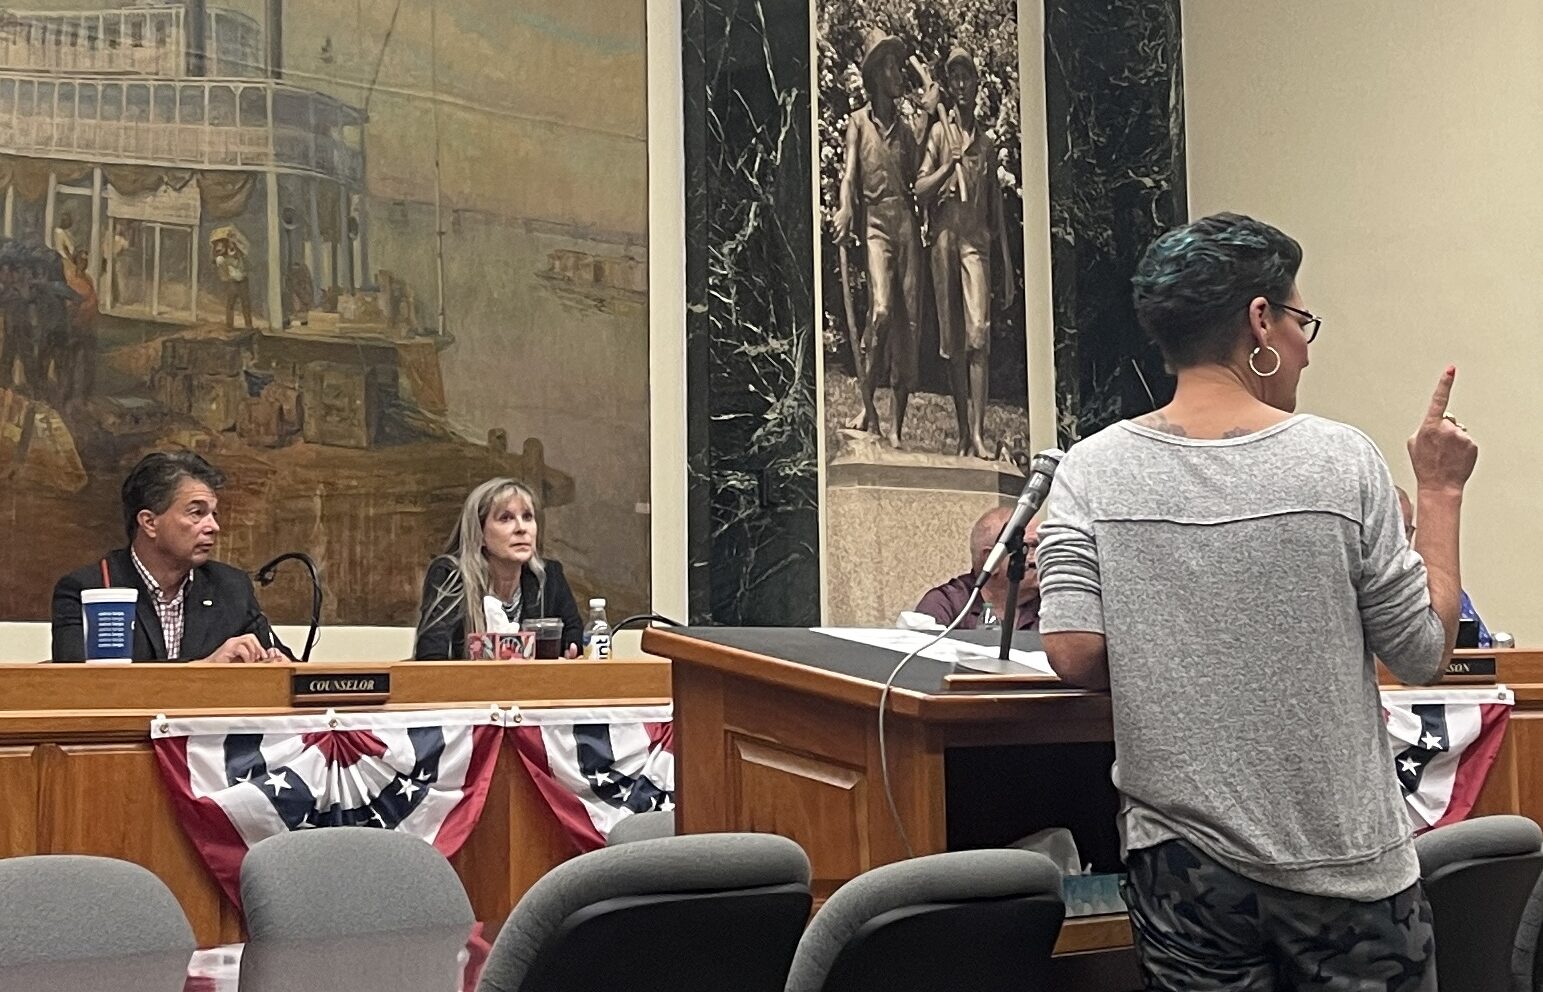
x: 512, y: 606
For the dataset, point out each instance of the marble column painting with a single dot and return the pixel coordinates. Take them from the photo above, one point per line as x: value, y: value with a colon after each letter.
x: 754, y: 518
x: 1115, y: 135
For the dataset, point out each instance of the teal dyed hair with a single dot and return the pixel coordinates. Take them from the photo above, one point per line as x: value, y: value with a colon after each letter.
x: 1193, y: 285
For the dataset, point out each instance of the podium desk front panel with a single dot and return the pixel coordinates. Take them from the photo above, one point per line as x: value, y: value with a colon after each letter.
x: 80, y: 776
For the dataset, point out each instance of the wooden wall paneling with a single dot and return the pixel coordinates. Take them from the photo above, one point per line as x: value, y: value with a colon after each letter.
x: 808, y: 768
x: 108, y: 800
x: 1501, y: 792
x: 702, y: 762
x: 19, y: 789
x: 537, y: 842
x: 481, y: 862
x: 515, y: 842
x: 819, y: 803
x: 798, y: 765
x: 1525, y: 738
x: 918, y: 781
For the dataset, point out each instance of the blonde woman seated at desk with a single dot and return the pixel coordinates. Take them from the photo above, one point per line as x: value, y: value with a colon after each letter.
x: 492, y: 552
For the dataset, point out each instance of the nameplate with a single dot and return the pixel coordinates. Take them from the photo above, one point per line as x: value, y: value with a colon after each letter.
x: 341, y: 687
x: 1003, y: 682
x: 1473, y: 670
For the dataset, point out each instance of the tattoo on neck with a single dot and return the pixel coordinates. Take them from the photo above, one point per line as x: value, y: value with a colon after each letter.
x: 1157, y: 422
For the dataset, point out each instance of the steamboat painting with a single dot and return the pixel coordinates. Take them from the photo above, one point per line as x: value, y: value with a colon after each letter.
x: 361, y: 255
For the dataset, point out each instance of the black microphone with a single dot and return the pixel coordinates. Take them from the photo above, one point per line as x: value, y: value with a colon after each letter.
x: 265, y: 576
x: 1035, y: 488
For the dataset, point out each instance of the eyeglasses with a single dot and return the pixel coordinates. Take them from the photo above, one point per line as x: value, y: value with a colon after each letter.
x: 1310, y: 324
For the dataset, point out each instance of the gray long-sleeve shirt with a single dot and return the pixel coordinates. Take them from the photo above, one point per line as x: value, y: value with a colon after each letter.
x: 1243, y: 586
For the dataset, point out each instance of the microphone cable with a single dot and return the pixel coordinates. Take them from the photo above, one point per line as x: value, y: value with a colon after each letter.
x: 889, y: 684
x: 644, y: 620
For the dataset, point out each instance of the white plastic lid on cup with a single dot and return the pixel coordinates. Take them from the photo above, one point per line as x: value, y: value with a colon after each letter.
x: 115, y: 594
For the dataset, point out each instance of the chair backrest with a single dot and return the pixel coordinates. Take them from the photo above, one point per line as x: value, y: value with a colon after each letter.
x: 1479, y: 876
x: 343, y: 881
x: 162, y: 971
x: 981, y: 920
x: 1526, y: 961
x: 642, y: 826
x: 412, y: 961
x: 66, y: 907
x: 697, y: 913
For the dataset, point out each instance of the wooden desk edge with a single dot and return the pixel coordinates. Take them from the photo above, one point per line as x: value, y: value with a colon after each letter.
x: 741, y: 663
x: 1093, y: 933
x: 942, y: 705
x: 529, y: 664
x: 116, y: 726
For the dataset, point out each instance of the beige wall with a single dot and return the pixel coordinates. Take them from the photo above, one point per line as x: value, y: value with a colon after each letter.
x: 1400, y: 142
x: 667, y: 312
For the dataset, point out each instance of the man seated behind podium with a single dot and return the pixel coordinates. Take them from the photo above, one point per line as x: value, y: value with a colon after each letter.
x: 944, y: 602
x: 190, y: 608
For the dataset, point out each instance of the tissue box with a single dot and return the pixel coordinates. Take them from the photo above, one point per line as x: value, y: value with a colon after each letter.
x: 1092, y: 895
x: 501, y: 647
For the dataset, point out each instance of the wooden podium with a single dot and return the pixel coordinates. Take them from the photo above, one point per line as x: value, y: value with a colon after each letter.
x: 79, y: 776
x: 777, y: 730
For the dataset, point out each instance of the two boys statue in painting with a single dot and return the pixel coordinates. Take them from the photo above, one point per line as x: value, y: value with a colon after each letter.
x: 915, y: 183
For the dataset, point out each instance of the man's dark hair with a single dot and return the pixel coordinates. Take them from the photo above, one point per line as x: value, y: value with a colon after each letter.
x: 1193, y: 286
x: 152, y: 484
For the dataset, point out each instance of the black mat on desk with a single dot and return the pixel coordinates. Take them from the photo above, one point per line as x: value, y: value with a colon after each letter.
x: 835, y: 654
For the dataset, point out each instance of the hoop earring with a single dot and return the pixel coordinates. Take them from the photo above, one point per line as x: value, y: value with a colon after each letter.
x: 1255, y: 369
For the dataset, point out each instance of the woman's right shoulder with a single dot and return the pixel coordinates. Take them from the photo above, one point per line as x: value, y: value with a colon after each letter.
x: 441, y: 567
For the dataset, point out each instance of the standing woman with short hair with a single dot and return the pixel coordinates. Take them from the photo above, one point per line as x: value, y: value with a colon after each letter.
x: 1229, y: 568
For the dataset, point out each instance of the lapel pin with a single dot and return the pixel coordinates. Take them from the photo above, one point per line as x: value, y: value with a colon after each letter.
x: 208, y: 602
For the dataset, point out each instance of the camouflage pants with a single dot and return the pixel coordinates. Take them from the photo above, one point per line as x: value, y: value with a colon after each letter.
x: 1198, y: 926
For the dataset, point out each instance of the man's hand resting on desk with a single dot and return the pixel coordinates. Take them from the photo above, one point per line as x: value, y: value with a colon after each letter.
x: 244, y: 649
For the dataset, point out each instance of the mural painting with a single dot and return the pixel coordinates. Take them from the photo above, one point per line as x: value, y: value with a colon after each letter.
x: 361, y: 255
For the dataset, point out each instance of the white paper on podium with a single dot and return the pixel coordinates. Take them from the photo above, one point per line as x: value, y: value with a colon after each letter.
x: 947, y: 650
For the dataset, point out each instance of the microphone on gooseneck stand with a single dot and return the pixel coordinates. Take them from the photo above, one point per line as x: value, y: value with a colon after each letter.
x: 1035, y: 489
x: 265, y: 576
x: 1009, y: 542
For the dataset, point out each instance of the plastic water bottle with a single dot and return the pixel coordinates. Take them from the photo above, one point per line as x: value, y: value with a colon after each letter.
x: 597, y: 636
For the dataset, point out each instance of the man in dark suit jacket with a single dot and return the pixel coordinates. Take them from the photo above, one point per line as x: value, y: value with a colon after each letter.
x: 190, y: 608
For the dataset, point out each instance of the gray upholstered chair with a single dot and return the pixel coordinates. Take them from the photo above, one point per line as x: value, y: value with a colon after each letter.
x: 643, y: 826
x: 698, y: 913
x: 1527, y: 955
x: 344, y: 881
x: 979, y: 920
x: 432, y: 960
x: 1479, y: 875
x: 66, y: 907
x: 159, y: 971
